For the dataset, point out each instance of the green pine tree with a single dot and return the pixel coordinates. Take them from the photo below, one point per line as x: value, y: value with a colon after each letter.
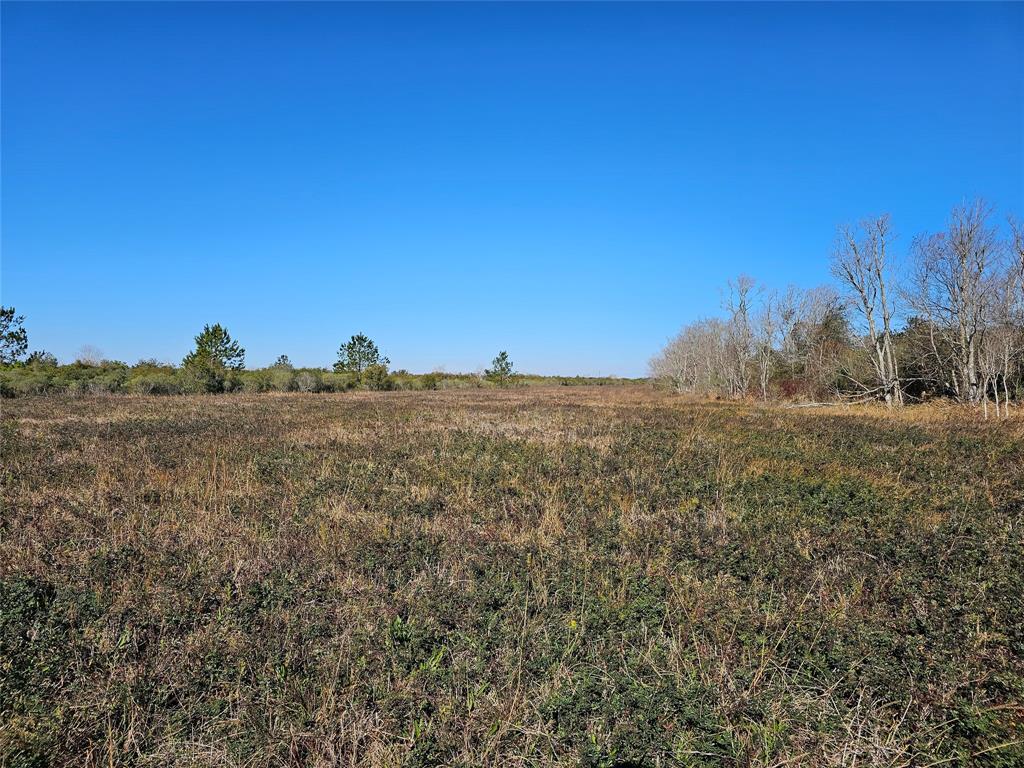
x: 216, y: 359
x: 13, y: 338
x: 358, y: 354
x: 500, y: 372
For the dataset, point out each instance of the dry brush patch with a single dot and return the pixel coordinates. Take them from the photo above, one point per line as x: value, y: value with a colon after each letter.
x: 585, y: 576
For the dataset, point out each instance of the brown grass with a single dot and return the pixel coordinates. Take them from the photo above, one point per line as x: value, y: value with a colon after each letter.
x: 544, y: 576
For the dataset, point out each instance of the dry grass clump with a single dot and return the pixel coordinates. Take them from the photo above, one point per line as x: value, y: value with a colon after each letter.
x: 599, y: 577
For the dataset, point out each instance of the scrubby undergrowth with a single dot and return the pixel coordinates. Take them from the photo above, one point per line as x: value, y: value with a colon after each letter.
x: 530, y: 577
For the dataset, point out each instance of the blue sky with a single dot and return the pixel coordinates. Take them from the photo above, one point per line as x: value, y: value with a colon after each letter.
x: 570, y: 182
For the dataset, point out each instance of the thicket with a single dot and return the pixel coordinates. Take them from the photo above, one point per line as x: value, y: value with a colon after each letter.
x: 217, y: 365
x: 945, y: 318
x: 149, y: 377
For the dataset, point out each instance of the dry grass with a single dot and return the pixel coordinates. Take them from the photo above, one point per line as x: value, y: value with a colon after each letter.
x: 584, y: 576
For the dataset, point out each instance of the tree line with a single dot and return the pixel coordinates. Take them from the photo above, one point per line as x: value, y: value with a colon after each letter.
x: 943, y: 319
x: 216, y: 364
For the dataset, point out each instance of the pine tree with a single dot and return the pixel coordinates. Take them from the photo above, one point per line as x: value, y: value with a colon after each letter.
x: 500, y: 371
x: 214, y: 359
x: 358, y: 354
x: 13, y: 338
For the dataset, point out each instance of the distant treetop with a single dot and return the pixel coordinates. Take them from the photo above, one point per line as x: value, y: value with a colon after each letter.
x: 358, y: 354
x: 13, y: 337
x: 500, y: 371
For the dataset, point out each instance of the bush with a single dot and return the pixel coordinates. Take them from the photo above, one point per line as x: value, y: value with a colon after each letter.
x: 203, y: 376
x: 154, y: 383
x: 377, y: 379
x: 33, y: 381
x: 41, y: 358
x: 339, y: 382
x: 282, y: 379
x: 149, y: 377
x: 197, y: 379
x: 308, y: 381
x: 257, y: 381
x: 109, y: 380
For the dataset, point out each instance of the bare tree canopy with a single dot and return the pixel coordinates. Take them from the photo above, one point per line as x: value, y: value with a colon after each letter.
x: 945, y: 318
x: 859, y: 262
x: 960, y: 281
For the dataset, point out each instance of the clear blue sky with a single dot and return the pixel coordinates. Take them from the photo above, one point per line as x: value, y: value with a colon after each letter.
x: 568, y: 182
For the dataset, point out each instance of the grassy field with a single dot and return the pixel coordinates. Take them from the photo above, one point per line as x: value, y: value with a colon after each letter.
x: 559, y: 576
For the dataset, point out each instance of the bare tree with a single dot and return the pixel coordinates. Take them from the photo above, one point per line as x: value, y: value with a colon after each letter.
x: 1017, y: 237
x: 956, y: 287
x: 964, y: 335
x: 1003, y: 340
x: 793, y: 329
x: 695, y: 360
x: 673, y: 364
x: 89, y: 355
x: 776, y: 322
x: 790, y: 310
x: 859, y: 262
x: 740, y: 335
x: 1013, y: 305
x: 767, y: 325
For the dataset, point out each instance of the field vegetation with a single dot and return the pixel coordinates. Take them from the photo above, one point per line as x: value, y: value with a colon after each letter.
x: 149, y: 377
x: 216, y: 365
x: 615, y: 576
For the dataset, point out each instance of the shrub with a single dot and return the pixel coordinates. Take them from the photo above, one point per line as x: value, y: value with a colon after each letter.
x: 41, y: 359
x: 107, y: 380
x: 33, y: 381
x: 257, y: 381
x: 308, y: 381
x: 376, y: 378
x: 154, y: 383
x: 339, y: 382
x: 282, y: 379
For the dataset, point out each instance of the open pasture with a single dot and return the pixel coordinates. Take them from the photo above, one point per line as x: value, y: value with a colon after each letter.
x: 547, y: 576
